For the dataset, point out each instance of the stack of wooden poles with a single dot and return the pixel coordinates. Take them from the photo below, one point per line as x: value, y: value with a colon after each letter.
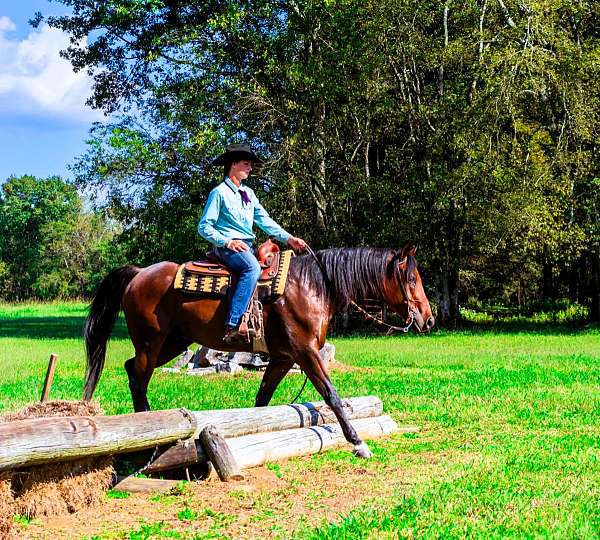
x: 231, y: 439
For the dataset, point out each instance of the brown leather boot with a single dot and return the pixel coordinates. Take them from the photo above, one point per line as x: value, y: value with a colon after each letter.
x: 236, y: 334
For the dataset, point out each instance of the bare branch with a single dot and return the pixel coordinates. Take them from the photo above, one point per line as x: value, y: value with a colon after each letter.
x: 507, y: 16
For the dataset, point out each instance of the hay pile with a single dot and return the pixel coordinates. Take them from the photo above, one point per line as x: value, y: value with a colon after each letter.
x: 57, y: 488
x: 6, y: 505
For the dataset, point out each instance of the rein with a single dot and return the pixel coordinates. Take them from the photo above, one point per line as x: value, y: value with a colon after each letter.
x: 391, y: 329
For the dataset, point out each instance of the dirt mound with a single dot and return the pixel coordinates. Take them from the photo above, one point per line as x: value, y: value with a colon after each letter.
x: 57, y: 488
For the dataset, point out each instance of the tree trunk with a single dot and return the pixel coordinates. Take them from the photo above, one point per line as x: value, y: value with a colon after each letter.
x: 319, y: 188
x: 583, y: 276
x: 548, y: 292
x: 574, y: 285
x: 443, y: 314
x: 449, y: 312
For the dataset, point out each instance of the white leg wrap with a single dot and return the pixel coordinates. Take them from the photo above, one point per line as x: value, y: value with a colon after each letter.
x: 362, y: 450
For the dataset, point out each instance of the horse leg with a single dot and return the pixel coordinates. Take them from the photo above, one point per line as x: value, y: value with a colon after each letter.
x: 138, y: 381
x: 173, y: 346
x: 134, y: 387
x: 311, y: 364
x: 139, y: 370
x: 275, y: 371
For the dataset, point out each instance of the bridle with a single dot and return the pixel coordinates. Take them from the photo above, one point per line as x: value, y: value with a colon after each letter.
x: 391, y: 329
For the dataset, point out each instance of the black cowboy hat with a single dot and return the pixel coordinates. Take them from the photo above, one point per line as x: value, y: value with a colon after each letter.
x: 236, y: 152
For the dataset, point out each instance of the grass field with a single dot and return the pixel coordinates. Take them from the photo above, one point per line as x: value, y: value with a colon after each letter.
x: 509, y: 443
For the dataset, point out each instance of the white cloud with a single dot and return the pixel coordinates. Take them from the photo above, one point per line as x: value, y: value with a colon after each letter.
x: 6, y: 24
x: 36, y: 82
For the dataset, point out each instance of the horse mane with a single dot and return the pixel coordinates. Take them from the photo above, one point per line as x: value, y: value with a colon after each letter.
x: 353, y: 274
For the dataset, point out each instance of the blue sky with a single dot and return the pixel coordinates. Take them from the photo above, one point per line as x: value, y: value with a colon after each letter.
x: 44, y: 121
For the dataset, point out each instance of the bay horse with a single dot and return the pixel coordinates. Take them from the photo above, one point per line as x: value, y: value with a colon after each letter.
x: 163, y: 322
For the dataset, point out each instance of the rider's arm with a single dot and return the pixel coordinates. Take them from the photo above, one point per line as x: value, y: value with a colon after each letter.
x: 206, y: 226
x: 267, y: 224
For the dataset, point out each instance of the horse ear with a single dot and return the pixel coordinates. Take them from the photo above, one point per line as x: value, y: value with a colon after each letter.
x: 408, y: 249
x: 398, y: 259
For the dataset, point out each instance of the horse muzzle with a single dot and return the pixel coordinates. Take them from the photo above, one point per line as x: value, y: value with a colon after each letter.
x: 420, y: 325
x: 429, y: 324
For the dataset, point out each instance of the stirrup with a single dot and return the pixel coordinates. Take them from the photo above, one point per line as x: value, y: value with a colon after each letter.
x: 235, y: 336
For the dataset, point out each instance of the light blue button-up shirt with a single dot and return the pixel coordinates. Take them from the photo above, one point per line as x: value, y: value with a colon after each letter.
x: 226, y: 217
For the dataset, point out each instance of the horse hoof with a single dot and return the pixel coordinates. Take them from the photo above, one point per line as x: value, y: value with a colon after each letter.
x: 362, y: 450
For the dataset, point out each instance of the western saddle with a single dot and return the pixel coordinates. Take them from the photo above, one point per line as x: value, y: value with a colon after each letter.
x: 268, y: 255
x: 212, y: 278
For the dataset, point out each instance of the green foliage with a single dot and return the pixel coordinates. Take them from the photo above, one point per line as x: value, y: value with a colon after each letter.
x: 24, y: 521
x: 469, y: 129
x: 115, y: 494
x: 556, y: 313
x: 27, y: 207
x: 49, y: 247
x: 158, y: 529
x: 187, y: 514
x: 275, y: 468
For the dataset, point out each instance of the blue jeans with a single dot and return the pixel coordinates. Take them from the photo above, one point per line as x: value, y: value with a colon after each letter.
x: 246, y: 266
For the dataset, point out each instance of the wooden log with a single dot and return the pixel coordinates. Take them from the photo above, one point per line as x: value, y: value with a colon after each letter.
x: 182, y: 454
x: 234, y: 423
x: 42, y: 440
x: 256, y: 449
x: 238, y: 422
x: 218, y: 453
x: 49, y: 378
x: 133, y: 484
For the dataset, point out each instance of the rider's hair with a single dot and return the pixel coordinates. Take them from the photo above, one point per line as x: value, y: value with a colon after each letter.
x: 227, y: 166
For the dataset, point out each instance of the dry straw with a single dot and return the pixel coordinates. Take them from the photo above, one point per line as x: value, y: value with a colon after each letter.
x: 58, y: 488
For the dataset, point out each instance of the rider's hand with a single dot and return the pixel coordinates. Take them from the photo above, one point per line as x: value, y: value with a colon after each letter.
x: 237, y: 246
x: 297, y: 244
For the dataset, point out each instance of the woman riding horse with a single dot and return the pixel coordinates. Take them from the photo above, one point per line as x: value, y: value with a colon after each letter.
x: 163, y: 321
x: 227, y: 223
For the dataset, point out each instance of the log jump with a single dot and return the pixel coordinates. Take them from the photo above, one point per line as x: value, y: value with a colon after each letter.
x: 252, y: 435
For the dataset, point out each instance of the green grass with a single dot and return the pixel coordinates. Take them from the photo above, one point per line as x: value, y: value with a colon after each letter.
x: 513, y: 417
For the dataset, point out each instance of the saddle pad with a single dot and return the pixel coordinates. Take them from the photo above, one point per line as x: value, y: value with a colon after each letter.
x: 214, y: 285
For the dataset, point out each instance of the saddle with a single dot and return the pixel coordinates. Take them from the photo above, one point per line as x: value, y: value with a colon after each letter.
x: 211, y: 277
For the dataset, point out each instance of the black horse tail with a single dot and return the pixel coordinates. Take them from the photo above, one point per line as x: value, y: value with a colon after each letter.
x: 103, y: 314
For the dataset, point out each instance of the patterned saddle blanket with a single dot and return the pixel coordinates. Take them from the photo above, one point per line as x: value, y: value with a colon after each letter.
x: 208, y: 278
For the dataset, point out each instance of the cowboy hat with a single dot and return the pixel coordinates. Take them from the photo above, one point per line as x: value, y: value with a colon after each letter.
x: 236, y: 152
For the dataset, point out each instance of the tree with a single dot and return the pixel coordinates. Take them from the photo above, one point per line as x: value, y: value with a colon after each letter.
x: 469, y: 128
x: 75, y: 256
x: 50, y: 247
x: 29, y: 207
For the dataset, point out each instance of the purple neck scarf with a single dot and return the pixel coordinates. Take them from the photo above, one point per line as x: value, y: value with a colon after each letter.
x: 245, y: 198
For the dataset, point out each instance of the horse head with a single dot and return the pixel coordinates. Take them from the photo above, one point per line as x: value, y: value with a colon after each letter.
x: 405, y: 293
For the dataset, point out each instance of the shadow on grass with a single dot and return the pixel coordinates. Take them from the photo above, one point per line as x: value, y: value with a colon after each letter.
x: 529, y: 327
x: 52, y: 328
x: 72, y: 327
x: 495, y: 327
